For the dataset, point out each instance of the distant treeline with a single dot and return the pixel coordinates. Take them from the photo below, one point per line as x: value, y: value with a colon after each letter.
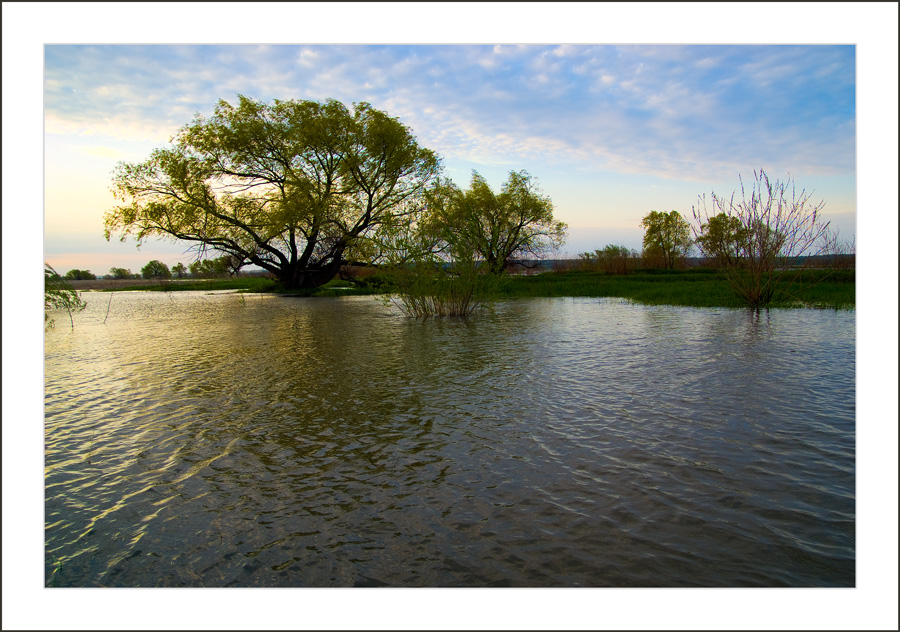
x: 585, y: 261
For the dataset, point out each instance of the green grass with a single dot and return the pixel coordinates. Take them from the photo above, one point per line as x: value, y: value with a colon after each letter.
x: 697, y: 287
x: 247, y: 284
x: 701, y: 287
x: 336, y: 287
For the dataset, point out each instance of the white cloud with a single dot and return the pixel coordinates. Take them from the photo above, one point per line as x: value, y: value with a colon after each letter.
x: 308, y: 58
x: 667, y: 112
x: 120, y: 128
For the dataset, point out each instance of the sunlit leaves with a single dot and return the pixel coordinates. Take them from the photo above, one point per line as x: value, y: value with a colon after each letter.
x: 667, y: 237
x: 515, y: 224
x: 288, y: 186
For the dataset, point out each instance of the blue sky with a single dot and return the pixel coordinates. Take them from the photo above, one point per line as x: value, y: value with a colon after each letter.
x: 610, y: 131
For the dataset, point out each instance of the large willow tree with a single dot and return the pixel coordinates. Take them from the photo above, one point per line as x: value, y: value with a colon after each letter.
x: 294, y: 187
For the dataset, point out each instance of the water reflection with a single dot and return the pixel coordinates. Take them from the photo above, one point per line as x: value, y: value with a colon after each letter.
x: 215, y: 440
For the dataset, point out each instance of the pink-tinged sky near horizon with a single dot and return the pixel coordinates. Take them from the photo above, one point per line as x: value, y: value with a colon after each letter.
x: 610, y: 131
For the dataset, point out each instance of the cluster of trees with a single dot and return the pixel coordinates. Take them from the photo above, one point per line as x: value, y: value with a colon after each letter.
x: 156, y: 269
x: 667, y: 244
x: 79, y: 275
x: 761, y: 241
x: 304, y: 188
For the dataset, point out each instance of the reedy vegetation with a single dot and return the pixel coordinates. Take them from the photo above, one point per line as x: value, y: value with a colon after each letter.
x: 59, y: 295
x: 445, y: 261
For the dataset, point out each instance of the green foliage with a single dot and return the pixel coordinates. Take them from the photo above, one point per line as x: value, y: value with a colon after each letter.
x: 179, y: 270
x: 667, y: 238
x: 294, y: 187
x: 693, y: 287
x: 210, y: 268
x: 80, y: 275
x: 428, y: 288
x: 156, y: 269
x: 499, y: 228
x: 120, y: 273
x: 721, y: 239
x: 249, y: 284
x: 59, y: 295
x: 611, y: 259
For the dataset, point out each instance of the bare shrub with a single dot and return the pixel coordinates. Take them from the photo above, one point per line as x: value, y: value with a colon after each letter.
x: 764, y: 240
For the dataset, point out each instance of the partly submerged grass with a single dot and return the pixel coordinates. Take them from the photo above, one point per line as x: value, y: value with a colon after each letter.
x: 335, y: 287
x: 696, y: 287
x: 700, y: 287
x: 247, y: 284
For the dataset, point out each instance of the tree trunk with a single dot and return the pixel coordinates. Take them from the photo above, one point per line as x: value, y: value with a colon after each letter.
x: 311, y: 277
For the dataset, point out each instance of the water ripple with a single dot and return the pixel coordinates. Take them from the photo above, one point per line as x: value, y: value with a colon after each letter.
x: 199, y: 440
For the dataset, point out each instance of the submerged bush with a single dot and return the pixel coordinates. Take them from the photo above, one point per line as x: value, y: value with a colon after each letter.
x: 427, y: 288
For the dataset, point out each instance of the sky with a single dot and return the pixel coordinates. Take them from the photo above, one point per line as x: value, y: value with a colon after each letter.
x: 611, y: 132
x: 616, y: 108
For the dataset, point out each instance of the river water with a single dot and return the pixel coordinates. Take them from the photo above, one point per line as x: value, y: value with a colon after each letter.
x: 197, y: 439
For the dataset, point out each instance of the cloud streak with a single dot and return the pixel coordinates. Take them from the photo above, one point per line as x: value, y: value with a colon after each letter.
x: 666, y: 110
x: 689, y: 114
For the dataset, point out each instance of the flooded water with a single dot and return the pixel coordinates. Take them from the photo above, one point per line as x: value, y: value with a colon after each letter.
x: 218, y: 440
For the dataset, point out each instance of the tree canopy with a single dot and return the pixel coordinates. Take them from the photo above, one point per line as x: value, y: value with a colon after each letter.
x: 294, y: 187
x: 499, y: 228
x: 667, y: 237
x: 722, y: 238
x: 80, y: 275
x: 156, y: 269
x: 219, y: 266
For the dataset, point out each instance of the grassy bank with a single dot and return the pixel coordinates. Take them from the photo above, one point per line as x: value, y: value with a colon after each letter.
x: 240, y: 284
x: 698, y: 287
x: 248, y: 284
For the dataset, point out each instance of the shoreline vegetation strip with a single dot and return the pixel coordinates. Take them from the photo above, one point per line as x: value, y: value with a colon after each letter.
x: 697, y: 287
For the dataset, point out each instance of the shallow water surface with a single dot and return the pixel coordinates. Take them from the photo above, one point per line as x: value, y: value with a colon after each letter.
x: 252, y: 440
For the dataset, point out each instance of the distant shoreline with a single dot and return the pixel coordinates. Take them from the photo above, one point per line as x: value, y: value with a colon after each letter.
x: 111, y: 284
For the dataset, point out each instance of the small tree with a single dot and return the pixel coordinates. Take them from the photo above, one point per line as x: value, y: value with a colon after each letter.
x: 80, y: 275
x: 762, y: 242
x: 719, y: 239
x: 667, y: 238
x: 120, y: 273
x: 59, y: 295
x: 502, y: 228
x: 156, y: 270
x: 179, y: 270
